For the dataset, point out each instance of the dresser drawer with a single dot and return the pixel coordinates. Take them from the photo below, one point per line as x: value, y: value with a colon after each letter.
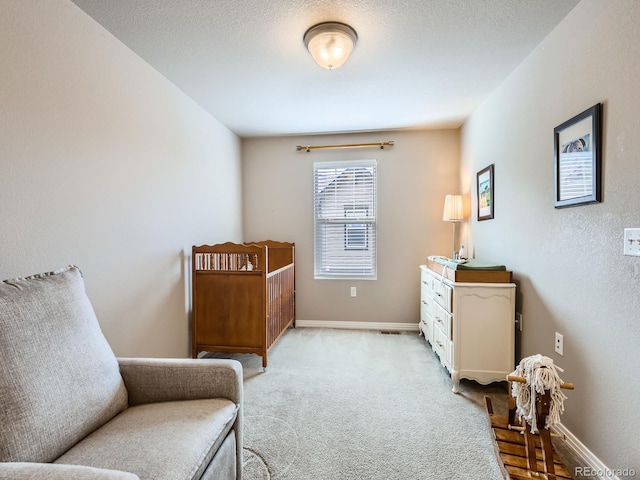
x: 426, y: 327
x: 426, y: 317
x: 426, y: 306
x: 441, y: 345
x: 442, y: 294
x: 442, y: 321
x: 426, y: 283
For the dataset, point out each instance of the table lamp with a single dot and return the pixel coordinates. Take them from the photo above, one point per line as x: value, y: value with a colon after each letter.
x: 453, y: 213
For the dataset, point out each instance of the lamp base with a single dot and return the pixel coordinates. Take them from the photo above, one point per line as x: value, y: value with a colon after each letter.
x: 455, y: 253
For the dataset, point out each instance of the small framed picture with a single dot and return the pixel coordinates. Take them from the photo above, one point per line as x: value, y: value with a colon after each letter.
x: 485, y: 193
x: 578, y: 164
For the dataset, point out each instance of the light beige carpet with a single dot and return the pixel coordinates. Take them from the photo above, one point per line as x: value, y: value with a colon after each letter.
x: 350, y: 404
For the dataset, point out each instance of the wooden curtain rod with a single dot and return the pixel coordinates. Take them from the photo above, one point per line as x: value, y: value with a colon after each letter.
x: 308, y: 148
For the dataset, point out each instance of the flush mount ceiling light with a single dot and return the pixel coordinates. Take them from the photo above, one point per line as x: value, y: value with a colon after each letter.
x: 330, y: 43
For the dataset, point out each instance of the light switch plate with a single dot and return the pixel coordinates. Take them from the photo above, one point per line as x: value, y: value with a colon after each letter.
x: 632, y: 242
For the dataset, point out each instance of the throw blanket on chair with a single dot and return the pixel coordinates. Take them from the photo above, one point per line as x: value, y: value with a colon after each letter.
x: 541, y: 374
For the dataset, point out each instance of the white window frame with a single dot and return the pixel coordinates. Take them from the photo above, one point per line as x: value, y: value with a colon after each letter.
x: 343, y: 205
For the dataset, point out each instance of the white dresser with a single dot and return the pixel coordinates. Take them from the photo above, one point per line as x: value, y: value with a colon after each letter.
x: 469, y: 325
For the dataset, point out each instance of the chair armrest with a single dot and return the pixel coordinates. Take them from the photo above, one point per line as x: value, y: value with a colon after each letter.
x: 150, y: 380
x: 55, y: 471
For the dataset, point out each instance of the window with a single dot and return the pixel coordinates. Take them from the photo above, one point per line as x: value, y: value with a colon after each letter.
x: 355, y: 234
x: 345, y: 219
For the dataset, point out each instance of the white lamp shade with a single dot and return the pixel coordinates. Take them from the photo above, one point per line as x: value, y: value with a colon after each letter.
x: 452, y: 208
x: 330, y: 43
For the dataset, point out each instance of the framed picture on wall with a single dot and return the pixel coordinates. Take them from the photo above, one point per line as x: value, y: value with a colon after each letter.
x: 578, y: 164
x: 485, y: 193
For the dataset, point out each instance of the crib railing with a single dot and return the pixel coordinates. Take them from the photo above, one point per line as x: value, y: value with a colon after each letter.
x: 281, y: 302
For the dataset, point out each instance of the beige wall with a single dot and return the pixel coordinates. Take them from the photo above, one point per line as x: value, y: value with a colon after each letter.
x: 568, y: 263
x: 105, y: 164
x: 413, y: 178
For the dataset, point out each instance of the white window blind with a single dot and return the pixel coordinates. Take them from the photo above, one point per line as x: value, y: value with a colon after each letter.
x: 345, y: 219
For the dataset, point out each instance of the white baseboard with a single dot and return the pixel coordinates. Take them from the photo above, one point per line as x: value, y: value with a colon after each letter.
x: 403, y: 327
x: 593, y: 465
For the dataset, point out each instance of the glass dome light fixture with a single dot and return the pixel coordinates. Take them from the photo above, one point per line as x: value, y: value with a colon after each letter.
x: 330, y: 43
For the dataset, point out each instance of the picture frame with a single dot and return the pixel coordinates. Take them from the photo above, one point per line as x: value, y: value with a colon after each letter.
x: 485, y: 193
x: 577, y: 145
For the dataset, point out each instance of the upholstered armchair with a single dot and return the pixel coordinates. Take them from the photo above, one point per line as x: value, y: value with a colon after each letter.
x: 69, y: 409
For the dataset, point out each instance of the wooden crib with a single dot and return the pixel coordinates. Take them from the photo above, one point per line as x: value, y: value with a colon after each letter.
x: 243, y: 296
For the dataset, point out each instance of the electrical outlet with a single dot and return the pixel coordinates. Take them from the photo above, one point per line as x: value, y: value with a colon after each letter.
x: 559, y: 344
x: 519, y: 320
x: 632, y: 242
x: 353, y: 291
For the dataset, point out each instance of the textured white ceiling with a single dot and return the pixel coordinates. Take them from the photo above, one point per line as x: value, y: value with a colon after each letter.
x: 417, y: 64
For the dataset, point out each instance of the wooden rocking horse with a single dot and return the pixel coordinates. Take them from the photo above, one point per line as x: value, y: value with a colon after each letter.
x: 525, y: 449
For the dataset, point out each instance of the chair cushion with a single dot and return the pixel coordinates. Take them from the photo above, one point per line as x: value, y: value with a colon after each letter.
x: 50, y: 471
x: 59, y: 379
x: 159, y: 441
